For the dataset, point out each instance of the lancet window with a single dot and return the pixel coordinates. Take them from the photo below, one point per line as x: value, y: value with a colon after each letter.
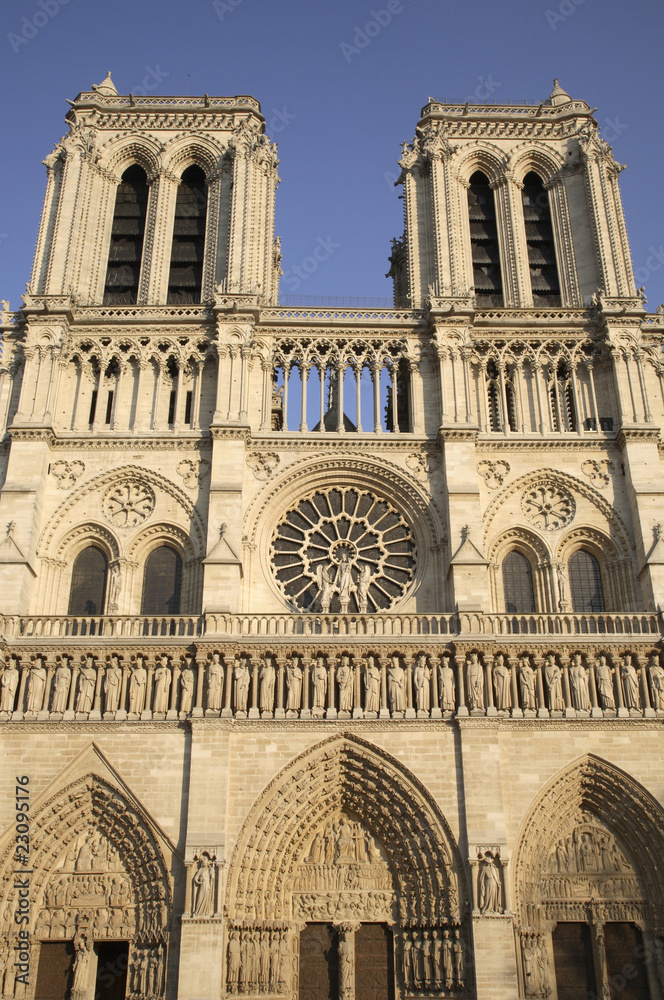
x: 185, y: 279
x: 162, y: 582
x: 87, y: 594
x: 126, y: 249
x: 561, y: 398
x: 485, y: 250
x: 544, y: 281
x: 518, y: 584
x: 585, y: 581
x: 500, y: 396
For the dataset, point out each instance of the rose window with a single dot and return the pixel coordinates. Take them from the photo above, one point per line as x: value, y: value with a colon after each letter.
x: 343, y: 550
x: 127, y: 505
x: 548, y: 507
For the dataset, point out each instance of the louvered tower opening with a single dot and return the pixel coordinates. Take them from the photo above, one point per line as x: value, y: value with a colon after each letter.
x: 126, y: 249
x: 186, y: 274
x: 487, y: 277
x: 541, y: 247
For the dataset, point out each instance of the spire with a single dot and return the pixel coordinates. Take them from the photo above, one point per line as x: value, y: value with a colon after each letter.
x: 106, y: 88
x: 557, y: 95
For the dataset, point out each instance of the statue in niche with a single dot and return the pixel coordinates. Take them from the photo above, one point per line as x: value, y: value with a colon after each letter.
x: 604, y: 680
x: 267, y: 678
x: 36, y: 685
x: 459, y: 968
x: 422, y: 682
x: 554, y: 683
x: 446, y: 684
x: 294, y: 685
x: 284, y: 963
x: 363, y: 584
x: 475, y: 683
x: 234, y: 961
x: 527, y: 684
x: 501, y: 684
x: 81, y: 980
x: 396, y: 685
x: 345, y: 682
x: 203, y: 885
x: 187, y: 682
x: 8, y: 685
x: 114, y: 590
x: 320, y: 683
x: 325, y: 576
x: 112, y: 684
x: 241, y: 677
x: 87, y: 678
x: 630, y: 680
x: 408, y: 971
x: 61, y: 684
x: 344, y: 580
x: 162, y: 686
x: 448, y: 960
x: 215, y: 683
x: 656, y: 674
x: 346, y: 963
x: 137, y: 686
x: 489, y: 886
x: 578, y: 679
x: 371, y: 685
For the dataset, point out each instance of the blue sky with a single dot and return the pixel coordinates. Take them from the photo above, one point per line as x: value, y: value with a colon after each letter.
x: 338, y: 115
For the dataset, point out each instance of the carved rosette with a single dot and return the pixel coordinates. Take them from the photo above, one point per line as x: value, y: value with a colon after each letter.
x: 128, y: 504
x: 343, y: 550
x: 548, y: 506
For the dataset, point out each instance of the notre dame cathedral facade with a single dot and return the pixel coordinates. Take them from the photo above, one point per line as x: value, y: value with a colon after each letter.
x: 331, y: 637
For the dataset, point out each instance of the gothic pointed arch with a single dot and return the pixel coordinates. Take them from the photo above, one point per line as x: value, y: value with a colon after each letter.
x: 345, y: 774
x: 92, y: 838
x: 595, y: 802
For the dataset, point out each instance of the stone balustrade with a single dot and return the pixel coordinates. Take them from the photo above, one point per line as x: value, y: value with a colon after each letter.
x: 226, y: 625
x: 250, y: 682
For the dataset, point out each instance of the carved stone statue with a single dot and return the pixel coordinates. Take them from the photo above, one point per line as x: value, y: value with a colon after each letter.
x: 344, y: 580
x: 234, y: 961
x: 114, y: 590
x: 501, y: 684
x: 604, y: 681
x: 320, y: 683
x: 112, y: 685
x: 578, y: 679
x: 87, y: 678
x: 489, y: 885
x: 8, y: 686
x: 448, y: 960
x: 241, y: 677
x: 36, y: 685
x: 137, y: 685
x: 215, y: 683
x: 203, y: 886
x: 554, y: 683
x: 630, y: 680
x: 526, y: 684
x: 267, y: 679
x: 294, y: 685
x: 371, y: 685
x: 656, y: 682
x: 81, y: 980
x: 459, y: 966
x: 396, y: 685
x: 446, y: 684
x: 61, y: 684
x: 187, y: 682
x: 363, y: 584
x: 346, y: 962
x: 162, y: 686
x: 345, y: 682
x: 325, y: 576
x: 422, y: 682
x: 475, y: 683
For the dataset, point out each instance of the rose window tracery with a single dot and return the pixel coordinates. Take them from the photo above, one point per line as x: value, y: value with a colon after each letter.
x: 129, y: 504
x: 548, y: 506
x: 343, y: 550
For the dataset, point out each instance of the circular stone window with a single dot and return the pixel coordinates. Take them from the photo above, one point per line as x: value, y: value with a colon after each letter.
x: 343, y: 550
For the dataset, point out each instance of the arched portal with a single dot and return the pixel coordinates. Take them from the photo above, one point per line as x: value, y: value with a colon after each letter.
x: 348, y: 839
x: 97, y: 877
x: 589, y: 885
